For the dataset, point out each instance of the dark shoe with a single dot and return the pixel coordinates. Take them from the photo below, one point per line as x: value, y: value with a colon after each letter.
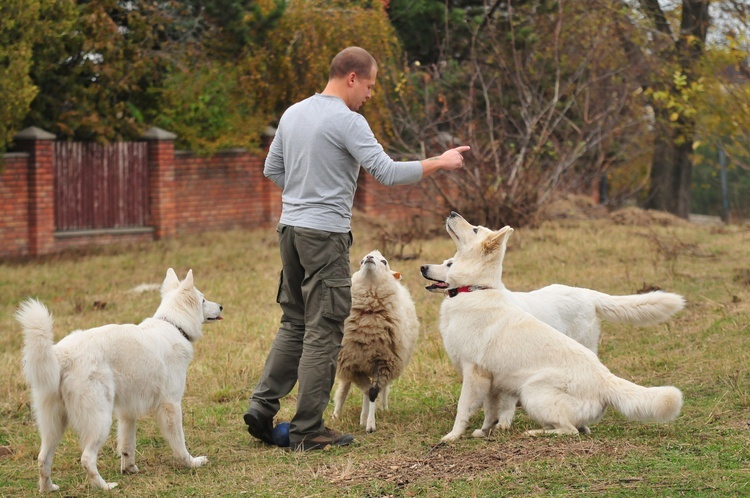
x: 259, y: 426
x: 322, y: 441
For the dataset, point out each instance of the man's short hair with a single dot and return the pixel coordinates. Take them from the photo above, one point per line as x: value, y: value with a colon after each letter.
x: 352, y: 60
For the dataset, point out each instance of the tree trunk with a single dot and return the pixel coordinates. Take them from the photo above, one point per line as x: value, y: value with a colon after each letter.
x: 660, y: 194
x: 671, y: 172
x: 671, y: 166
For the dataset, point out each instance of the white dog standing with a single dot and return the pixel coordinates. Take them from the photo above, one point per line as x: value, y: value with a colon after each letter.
x: 577, y: 311
x: 379, y: 336
x: 505, y: 354
x: 130, y: 370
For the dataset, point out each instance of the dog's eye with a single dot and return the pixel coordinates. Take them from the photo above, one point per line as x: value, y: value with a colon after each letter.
x: 476, y: 230
x: 384, y: 262
x: 450, y: 264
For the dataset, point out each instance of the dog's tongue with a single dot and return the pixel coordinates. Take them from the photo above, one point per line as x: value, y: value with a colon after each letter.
x: 436, y: 285
x: 219, y: 318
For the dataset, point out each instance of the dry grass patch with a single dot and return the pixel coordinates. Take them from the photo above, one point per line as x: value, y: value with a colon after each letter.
x: 451, y: 463
x: 702, y: 350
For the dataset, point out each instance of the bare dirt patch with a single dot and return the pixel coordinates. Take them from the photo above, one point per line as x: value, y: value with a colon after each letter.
x: 450, y: 463
x: 634, y: 216
x: 574, y: 207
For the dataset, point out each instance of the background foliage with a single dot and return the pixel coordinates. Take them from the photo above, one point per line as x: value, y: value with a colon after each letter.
x: 553, y: 96
x: 22, y: 25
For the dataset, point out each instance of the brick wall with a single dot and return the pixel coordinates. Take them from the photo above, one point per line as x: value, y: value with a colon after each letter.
x: 225, y: 191
x: 398, y: 202
x: 39, y: 145
x: 14, y: 205
x: 187, y: 194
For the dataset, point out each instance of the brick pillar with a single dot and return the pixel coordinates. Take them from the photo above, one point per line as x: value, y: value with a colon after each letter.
x: 161, y: 182
x: 40, y: 146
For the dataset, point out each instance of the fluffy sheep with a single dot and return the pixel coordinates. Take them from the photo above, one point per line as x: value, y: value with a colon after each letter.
x: 379, y: 336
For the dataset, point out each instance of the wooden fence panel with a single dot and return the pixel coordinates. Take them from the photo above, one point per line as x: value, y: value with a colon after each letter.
x: 101, y: 186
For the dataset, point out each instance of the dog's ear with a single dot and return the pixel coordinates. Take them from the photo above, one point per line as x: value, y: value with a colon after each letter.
x: 497, y: 240
x: 188, y: 282
x: 396, y: 274
x: 171, y: 282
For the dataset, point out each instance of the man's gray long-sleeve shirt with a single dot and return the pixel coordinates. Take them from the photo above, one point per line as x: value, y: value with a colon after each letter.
x: 315, y: 158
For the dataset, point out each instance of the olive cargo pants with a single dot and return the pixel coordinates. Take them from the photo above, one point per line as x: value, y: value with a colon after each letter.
x: 315, y: 298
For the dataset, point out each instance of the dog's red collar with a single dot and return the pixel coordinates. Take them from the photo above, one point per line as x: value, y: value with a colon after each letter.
x: 466, y: 288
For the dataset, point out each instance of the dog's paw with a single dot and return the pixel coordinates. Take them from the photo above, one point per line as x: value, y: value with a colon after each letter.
x: 503, y: 425
x: 450, y: 437
x: 130, y: 469
x: 198, y: 462
x: 49, y: 487
x: 370, y: 428
x: 480, y: 433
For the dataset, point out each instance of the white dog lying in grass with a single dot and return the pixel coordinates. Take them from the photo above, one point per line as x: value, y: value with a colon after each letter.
x: 130, y: 370
x: 379, y: 336
x: 577, y: 311
x: 506, y: 355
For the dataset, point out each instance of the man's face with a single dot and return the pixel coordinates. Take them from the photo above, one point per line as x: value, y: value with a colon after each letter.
x: 361, y: 89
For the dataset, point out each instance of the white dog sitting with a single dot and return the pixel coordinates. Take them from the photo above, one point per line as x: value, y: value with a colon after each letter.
x: 577, y: 311
x: 379, y: 336
x: 130, y: 370
x: 507, y: 355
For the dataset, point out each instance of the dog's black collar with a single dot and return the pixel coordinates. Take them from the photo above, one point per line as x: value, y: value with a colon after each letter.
x: 466, y: 288
x: 184, y: 334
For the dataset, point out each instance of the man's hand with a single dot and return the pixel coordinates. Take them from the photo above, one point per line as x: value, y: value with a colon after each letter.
x: 450, y: 159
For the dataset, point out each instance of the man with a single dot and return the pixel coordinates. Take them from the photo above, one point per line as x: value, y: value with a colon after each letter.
x: 315, y: 157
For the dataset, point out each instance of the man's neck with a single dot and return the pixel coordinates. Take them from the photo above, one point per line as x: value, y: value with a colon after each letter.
x: 336, y: 88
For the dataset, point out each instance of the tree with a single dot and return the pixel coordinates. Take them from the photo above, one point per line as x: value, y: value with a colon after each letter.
x: 97, y: 75
x: 541, y: 99
x: 23, y: 23
x: 669, y: 74
x: 216, y: 72
x: 207, y: 107
x: 723, y: 120
x: 236, y: 26
x: 263, y: 57
x: 295, y: 59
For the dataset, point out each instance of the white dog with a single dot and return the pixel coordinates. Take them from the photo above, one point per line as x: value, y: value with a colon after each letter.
x: 130, y: 370
x: 506, y: 355
x: 576, y: 311
x: 379, y: 336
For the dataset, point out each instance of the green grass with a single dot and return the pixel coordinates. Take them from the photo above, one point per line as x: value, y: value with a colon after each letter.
x: 703, y: 351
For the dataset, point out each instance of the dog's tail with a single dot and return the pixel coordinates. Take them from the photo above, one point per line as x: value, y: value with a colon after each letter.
x: 646, y: 404
x: 638, y: 309
x: 40, y: 365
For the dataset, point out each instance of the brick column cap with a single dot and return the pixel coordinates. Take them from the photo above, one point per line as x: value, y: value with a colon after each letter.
x: 156, y: 133
x: 34, y: 133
